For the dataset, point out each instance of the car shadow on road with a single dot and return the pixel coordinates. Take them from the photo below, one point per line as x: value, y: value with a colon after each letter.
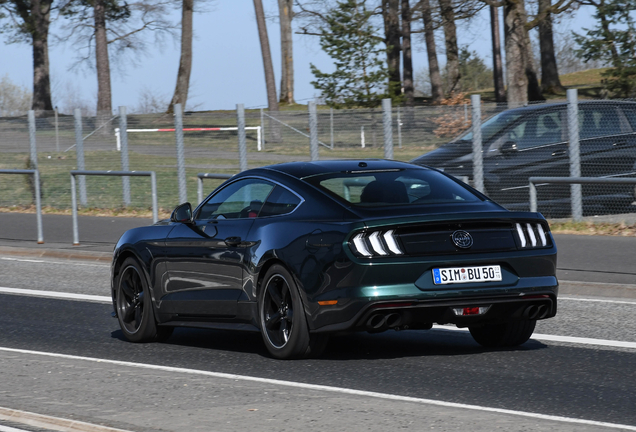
x: 353, y: 346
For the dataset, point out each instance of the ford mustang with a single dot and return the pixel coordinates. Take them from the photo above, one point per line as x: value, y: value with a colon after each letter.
x: 299, y: 251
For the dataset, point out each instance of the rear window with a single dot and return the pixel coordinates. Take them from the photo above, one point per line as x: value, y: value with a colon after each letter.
x: 392, y: 187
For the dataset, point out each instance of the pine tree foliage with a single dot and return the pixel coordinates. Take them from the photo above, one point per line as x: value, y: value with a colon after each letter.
x: 613, y: 41
x: 360, y: 75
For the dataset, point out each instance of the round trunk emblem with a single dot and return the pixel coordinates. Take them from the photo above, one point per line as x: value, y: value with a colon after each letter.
x: 462, y: 239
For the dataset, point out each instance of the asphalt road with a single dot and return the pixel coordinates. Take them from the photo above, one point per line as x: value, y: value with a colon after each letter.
x: 573, y: 380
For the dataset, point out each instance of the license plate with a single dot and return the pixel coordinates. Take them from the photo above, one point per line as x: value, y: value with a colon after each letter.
x: 455, y: 275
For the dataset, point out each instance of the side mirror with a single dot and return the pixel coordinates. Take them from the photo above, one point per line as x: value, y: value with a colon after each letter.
x: 182, y: 213
x: 508, y: 147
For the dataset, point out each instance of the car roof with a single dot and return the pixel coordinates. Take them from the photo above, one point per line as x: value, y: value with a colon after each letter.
x: 549, y: 105
x: 306, y: 169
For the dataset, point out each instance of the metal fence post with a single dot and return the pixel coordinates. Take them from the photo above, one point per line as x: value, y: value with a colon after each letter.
x: 478, y: 162
x: 576, y: 196
x: 32, y: 142
x: 123, y: 138
x: 38, y: 205
x: 74, y: 211
x: 331, y: 125
x: 57, y: 136
x: 313, y: 131
x: 79, y: 149
x: 388, y: 128
x: 178, y: 133
x: 399, y: 128
x: 533, y: 197
x: 262, y: 129
x: 153, y: 189
x: 242, y: 149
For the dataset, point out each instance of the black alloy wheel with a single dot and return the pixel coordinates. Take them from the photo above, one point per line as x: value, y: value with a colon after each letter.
x: 282, y: 318
x: 134, y: 307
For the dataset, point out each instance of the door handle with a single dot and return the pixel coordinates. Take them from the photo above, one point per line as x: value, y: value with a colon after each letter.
x: 558, y: 153
x: 232, y: 241
x: 619, y: 144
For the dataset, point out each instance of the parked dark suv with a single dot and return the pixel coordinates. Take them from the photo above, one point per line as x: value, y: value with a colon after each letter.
x: 533, y: 141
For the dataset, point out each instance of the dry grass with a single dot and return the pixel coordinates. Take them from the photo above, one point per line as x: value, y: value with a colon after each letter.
x: 591, y: 228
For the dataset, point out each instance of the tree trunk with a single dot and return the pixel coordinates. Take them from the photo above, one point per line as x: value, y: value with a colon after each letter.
x: 104, y: 94
x: 270, y: 82
x: 185, y: 62
x: 392, y: 39
x: 431, y: 51
x: 287, y: 53
x: 407, y: 60
x: 497, y: 68
x: 550, y: 82
x: 41, y: 15
x: 452, y: 51
x: 520, y: 76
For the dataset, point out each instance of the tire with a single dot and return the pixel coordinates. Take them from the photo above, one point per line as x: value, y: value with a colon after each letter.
x: 133, y: 305
x: 282, y: 318
x: 509, y: 334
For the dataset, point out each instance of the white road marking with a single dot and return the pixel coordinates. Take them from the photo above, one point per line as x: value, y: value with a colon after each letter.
x: 332, y: 389
x: 555, y: 338
x: 56, y: 295
x: 54, y: 262
x: 10, y: 429
x: 596, y: 300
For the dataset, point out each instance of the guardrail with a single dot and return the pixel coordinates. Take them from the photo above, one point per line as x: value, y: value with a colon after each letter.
x: 38, y: 200
x: 573, y: 180
x: 153, y: 183
x: 200, y: 178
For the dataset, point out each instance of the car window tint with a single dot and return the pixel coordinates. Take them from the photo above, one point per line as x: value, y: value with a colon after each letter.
x: 537, y: 130
x: 493, y: 126
x: 597, y: 121
x: 280, y: 201
x: 395, y: 187
x: 241, y: 199
x: 630, y: 113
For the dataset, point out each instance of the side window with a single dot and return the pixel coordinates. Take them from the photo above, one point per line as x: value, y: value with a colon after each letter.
x: 598, y: 121
x: 280, y: 201
x: 630, y: 113
x: 241, y: 199
x: 538, y: 129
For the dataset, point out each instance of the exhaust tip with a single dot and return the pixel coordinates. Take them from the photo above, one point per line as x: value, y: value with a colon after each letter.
x: 393, y: 320
x: 376, y: 322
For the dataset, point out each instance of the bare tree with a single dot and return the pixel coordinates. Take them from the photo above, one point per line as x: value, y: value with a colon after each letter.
x: 433, y: 66
x: 497, y: 67
x: 452, y: 50
x: 407, y: 61
x: 104, y: 92
x: 550, y: 82
x: 110, y: 27
x: 29, y: 20
x: 286, y: 15
x: 270, y: 82
x: 390, y: 14
x: 185, y: 60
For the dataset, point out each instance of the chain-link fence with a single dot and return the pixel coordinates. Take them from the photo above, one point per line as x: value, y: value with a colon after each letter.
x: 517, y: 144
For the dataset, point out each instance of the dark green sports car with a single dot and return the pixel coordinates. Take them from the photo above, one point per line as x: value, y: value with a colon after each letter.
x: 299, y: 251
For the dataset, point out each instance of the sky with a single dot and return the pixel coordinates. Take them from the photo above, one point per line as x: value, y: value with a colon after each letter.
x: 227, y: 64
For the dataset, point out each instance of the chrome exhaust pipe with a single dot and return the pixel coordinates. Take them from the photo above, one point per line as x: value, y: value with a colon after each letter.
x: 393, y: 320
x: 376, y: 322
x: 531, y: 312
x: 542, y: 311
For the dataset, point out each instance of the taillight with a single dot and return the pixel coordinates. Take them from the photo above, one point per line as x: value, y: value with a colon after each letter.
x: 531, y: 235
x: 376, y: 244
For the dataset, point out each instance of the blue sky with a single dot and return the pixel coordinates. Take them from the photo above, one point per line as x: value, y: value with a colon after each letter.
x: 227, y: 64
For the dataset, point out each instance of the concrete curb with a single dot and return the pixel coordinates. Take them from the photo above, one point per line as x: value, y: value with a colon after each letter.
x: 52, y: 423
x: 57, y: 253
x: 597, y: 289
